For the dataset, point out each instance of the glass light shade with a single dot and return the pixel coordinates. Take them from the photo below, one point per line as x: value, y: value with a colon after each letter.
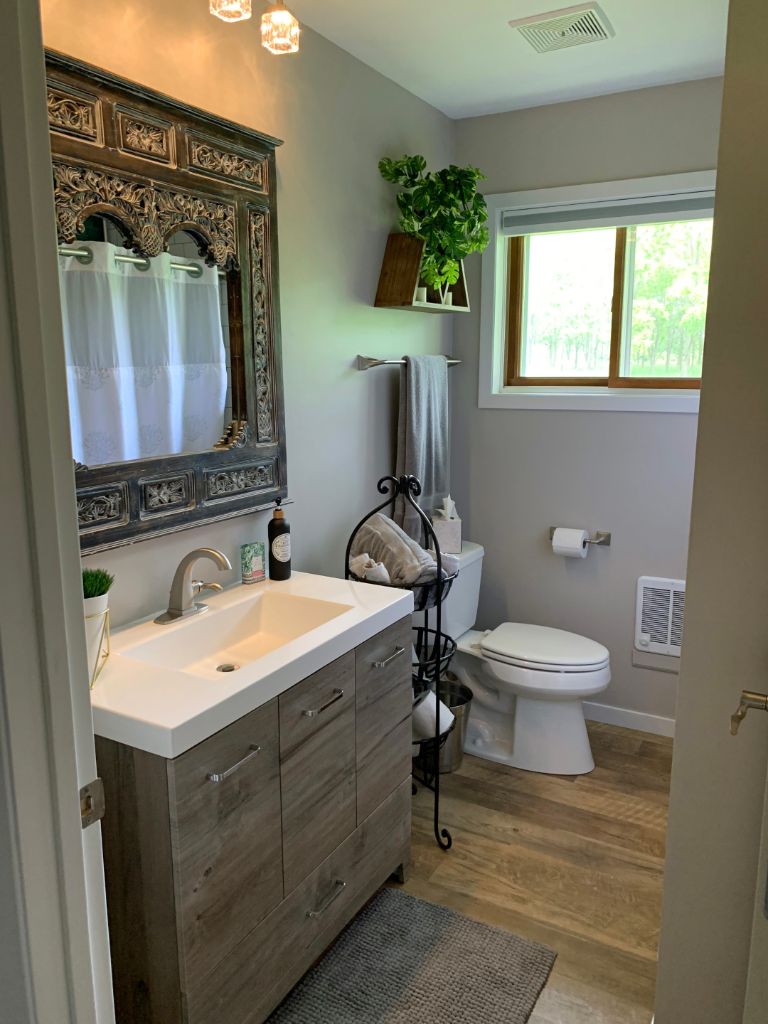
x: 231, y: 10
x: 279, y: 30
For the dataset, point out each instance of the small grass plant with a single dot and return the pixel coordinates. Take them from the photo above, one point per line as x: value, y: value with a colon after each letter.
x: 96, y: 582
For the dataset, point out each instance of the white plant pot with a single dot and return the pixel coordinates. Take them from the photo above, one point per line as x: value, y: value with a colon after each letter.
x: 96, y: 631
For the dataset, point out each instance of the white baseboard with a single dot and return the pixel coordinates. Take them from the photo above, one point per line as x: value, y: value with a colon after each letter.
x: 657, y: 724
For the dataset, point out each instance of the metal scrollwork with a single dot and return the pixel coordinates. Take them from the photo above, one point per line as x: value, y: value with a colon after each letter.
x: 231, y: 482
x: 262, y: 326
x: 235, y: 436
x: 228, y: 165
x: 149, y: 212
x: 145, y: 138
x: 100, y: 509
x: 73, y: 115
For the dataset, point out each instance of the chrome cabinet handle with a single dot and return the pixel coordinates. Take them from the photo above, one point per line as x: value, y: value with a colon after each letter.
x: 220, y: 776
x: 386, y: 661
x: 338, y: 888
x: 314, y: 712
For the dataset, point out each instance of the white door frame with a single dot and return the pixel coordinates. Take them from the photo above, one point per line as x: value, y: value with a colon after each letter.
x: 55, y: 962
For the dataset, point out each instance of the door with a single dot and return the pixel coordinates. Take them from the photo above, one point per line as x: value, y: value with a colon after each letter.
x: 715, y: 881
x: 52, y: 903
x: 756, y: 1006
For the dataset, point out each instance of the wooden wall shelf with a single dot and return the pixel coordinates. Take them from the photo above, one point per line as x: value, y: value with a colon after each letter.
x: 400, y: 278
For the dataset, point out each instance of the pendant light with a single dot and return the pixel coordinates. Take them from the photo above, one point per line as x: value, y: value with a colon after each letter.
x: 231, y: 10
x: 279, y: 29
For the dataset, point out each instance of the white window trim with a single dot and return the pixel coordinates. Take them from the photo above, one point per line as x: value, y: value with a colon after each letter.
x: 493, y: 393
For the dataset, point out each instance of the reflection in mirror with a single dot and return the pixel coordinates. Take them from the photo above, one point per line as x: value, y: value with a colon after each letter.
x: 147, y: 347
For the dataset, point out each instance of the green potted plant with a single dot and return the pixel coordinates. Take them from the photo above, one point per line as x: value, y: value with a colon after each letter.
x: 96, y: 584
x: 444, y: 210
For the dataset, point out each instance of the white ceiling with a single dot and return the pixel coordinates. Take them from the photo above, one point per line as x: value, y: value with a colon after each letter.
x: 463, y: 58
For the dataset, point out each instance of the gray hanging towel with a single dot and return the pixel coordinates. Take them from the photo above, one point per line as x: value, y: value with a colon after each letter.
x: 423, y: 448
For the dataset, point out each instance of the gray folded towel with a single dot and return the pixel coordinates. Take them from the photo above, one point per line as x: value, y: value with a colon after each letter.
x: 384, y: 541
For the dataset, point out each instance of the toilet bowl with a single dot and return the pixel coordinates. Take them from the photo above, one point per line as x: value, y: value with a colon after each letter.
x: 528, y: 683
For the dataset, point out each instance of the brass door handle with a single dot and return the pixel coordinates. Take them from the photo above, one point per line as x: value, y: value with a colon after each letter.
x: 749, y: 699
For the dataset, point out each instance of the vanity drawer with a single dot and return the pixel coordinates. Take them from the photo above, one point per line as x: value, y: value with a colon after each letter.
x: 384, y: 701
x: 249, y: 983
x: 224, y: 797
x: 317, y: 767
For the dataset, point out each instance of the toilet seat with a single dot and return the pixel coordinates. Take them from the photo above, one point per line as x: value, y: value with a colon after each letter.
x: 543, y: 649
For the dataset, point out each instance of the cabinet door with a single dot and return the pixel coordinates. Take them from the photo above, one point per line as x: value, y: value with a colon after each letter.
x: 384, y: 701
x: 225, y: 831
x: 246, y: 987
x: 317, y: 767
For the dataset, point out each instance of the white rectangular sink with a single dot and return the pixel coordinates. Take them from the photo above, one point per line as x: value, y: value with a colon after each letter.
x: 221, y: 641
x: 161, y: 690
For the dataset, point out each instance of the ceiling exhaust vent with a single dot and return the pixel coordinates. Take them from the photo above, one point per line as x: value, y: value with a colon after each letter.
x: 570, y: 26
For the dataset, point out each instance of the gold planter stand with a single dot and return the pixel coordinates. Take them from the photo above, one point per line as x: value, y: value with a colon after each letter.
x: 104, y: 645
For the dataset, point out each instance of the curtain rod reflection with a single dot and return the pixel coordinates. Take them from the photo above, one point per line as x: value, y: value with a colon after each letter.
x: 85, y: 255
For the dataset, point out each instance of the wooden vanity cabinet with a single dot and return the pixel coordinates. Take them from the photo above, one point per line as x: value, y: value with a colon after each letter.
x: 232, y: 867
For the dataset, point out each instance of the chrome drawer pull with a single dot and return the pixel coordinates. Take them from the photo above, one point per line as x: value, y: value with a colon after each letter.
x: 338, y: 889
x: 220, y: 776
x: 314, y: 712
x: 386, y: 661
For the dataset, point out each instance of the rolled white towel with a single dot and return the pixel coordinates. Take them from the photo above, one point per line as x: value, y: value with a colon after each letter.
x: 376, y: 572
x: 450, y: 562
x: 357, y: 564
x: 425, y: 715
x: 367, y: 569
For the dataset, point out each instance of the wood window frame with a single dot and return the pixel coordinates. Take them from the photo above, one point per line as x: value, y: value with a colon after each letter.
x: 514, y: 330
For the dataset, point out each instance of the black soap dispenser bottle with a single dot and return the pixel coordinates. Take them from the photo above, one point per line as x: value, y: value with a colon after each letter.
x: 279, y: 535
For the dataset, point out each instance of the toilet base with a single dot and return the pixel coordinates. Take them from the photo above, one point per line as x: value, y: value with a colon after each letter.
x: 538, y: 736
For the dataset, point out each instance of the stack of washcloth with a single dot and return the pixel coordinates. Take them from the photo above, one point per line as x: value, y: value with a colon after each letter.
x: 381, y: 541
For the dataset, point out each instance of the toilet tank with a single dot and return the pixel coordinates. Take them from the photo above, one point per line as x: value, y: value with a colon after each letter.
x: 460, y: 607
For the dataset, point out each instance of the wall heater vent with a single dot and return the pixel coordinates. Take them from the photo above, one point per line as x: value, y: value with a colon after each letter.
x: 570, y: 26
x: 659, y: 615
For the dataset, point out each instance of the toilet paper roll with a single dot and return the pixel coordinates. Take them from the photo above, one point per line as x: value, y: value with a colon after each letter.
x: 570, y: 543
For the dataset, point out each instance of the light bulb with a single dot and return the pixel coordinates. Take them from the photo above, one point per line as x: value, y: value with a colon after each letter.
x: 231, y: 10
x: 279, y: 30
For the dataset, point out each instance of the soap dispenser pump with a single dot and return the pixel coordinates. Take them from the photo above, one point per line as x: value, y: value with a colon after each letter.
x: 279, y: 534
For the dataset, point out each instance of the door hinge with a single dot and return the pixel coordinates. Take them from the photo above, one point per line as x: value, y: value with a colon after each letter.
x: 92, y: 803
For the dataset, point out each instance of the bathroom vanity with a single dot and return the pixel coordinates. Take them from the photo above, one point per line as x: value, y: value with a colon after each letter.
x: 242, y: 836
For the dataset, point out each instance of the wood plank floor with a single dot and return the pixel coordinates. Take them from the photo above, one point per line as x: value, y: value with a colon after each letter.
x: 573, y: 862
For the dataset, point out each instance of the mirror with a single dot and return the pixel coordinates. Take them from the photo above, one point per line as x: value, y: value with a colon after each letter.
x: 147, y: 347
x: 168, y: 268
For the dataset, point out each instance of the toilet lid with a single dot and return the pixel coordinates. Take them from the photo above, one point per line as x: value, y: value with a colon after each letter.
x: 543, y: 647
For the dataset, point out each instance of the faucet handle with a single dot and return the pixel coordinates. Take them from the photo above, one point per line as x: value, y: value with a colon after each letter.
x: 198, y: 586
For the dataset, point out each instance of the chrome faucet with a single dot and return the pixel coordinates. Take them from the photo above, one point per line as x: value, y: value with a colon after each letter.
x: 184, y: 589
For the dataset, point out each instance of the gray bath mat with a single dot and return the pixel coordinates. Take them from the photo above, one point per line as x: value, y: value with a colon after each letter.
x: 404, y: 961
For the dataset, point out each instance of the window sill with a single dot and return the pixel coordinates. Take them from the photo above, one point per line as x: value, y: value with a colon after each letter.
x: 593, y: 399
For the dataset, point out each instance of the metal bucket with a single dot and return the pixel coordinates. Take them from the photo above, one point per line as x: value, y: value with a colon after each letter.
x: 459, y: 699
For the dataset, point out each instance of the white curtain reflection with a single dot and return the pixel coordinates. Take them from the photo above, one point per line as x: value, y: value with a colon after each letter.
x: 146, y: 364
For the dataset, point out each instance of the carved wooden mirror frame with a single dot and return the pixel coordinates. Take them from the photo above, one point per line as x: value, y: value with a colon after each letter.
x: 157, y: 167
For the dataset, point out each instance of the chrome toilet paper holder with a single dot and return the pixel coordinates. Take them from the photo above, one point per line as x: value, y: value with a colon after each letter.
x: 601, y: 538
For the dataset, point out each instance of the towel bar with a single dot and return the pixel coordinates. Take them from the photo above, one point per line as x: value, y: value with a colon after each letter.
x: 367, y: 362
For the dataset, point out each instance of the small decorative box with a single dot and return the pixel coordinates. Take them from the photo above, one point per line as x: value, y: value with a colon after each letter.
x: 253, y: 562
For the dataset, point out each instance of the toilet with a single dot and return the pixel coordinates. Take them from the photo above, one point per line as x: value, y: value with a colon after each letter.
x: 528, y: 682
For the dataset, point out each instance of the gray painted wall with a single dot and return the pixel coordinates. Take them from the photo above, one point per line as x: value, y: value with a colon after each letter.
x: 518, y: 472
x: 338, y: 117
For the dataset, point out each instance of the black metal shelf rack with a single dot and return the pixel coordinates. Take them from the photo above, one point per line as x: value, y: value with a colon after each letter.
x: 433, y: 648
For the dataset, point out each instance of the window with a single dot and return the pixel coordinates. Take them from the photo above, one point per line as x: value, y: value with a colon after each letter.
x: 619, y: 307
